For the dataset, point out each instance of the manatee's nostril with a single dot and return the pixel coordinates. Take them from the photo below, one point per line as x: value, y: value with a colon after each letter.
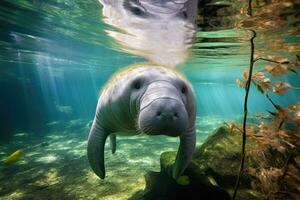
x: 158, y: 113
x: 175, y: 114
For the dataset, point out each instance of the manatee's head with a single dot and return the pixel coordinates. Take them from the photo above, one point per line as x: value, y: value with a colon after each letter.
x: 164, y: 102
x: 162, y: 110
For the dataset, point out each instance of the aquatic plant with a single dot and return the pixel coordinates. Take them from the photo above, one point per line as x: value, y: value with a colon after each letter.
x: 277, y: 174
x: 277, y: 152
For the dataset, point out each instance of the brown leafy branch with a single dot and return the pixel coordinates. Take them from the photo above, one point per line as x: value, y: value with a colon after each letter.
x: 275, y: 142
x: 269, y: 138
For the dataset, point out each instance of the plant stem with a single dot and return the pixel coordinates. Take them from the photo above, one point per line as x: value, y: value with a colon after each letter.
x: 247, y: 88
x: 249, y: 11
x: 248, y: 84
x: 272, y: 102
x: 270, y: 60
x: 288, y: 161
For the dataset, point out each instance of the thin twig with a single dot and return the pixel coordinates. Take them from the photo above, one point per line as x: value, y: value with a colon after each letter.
x: 247, y: 88
x: 270, y: 60
x: 272, y: 102
x: 280, y: 125
x: 281, y: 178
x: 249, y: 11
x: 288, y: 161
x: 277, y: 107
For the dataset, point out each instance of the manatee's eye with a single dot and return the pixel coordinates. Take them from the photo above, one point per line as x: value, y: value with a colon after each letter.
x: 137, y: 84
x: 135, y: 7
x: 185, y: 14
x: 183, y: 89
x: 136, y: 11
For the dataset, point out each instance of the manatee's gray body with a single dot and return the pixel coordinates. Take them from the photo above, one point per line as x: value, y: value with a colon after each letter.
x: 144, y: 99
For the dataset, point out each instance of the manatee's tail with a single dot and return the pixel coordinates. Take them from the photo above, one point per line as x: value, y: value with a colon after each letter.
x: 95, y: 149
x: 185, y: 152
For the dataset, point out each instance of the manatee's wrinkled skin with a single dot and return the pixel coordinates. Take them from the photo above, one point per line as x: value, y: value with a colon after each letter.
x: 144, y: 99
x: 162, y: 31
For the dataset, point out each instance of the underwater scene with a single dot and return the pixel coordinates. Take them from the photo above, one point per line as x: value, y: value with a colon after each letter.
x: 150, y: 99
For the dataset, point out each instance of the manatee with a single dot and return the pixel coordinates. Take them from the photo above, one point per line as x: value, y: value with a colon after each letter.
x: 149, y: 99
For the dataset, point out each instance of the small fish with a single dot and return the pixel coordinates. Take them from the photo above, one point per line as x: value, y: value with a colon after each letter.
x: 13, y: 157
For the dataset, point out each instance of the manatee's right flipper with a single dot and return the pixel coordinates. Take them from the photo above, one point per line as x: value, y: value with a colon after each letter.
x: 184, y: 153
x: 95, y: 149
x: 113, y: 143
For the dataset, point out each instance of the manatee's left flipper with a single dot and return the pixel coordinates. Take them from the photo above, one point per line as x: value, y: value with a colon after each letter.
x: 185, y: 152
x: 113, y: 143
x: 95, y: 149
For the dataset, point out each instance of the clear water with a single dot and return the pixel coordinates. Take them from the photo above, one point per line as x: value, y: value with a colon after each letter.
x: 56, y: 55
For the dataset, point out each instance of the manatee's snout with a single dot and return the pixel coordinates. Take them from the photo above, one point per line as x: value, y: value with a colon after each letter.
x: 163, y: 112
x: 167, y: 116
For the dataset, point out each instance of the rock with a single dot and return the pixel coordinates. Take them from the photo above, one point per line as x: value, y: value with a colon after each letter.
x: 160, y: 186
x: 212, y: 172
x: 220, y: 156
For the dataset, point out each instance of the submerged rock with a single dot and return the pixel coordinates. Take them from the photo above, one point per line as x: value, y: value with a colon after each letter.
x: 212, y: 172
x: 160, y: 186
x: 219, y: 157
